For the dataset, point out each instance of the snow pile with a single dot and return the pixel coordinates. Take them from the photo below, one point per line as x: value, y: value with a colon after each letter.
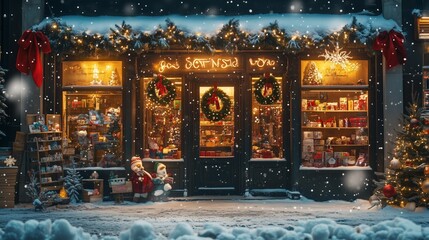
x: 312, y: 25
x: 319, y: 229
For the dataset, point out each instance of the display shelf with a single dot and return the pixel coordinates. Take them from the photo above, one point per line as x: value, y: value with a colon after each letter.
x: 339, y: 128
x: 336, y: 111
x: 334, y: 87
x: 334, y: 115
x: 348, y: 168
x: 47, y: 164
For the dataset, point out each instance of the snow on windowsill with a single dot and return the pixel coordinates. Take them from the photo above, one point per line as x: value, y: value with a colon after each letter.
x: 98, y: 168
x: 162, y: 160
x: 267, y: 159
x: 336, y: 168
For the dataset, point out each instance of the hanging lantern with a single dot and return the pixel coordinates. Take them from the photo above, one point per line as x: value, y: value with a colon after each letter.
x: 426, y: 171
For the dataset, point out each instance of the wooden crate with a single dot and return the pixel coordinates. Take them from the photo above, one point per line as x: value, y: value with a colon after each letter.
x: 7, y: 184
x: 124, y: 188
x: 20, y: 137
x: 89, y: 186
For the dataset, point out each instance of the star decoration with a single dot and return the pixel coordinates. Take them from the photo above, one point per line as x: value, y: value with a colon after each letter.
x: 10, y: 161
x: 337, y: 56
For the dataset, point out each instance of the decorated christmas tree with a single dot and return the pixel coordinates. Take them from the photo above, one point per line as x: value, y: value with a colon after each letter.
x: 312, y: 75
x: 114, y: 78
x: 73, y: 184
x: 3, y: 105
x: 407, y: 176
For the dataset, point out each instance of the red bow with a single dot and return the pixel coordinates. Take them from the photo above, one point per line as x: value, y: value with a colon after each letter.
x: 28, y: 58
x: 214, y: 98
x: 266, y: 87
x: 392, y: 45
x: 161, y: 88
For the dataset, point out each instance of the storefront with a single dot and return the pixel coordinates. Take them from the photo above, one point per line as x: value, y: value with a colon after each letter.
x: 247, y: 121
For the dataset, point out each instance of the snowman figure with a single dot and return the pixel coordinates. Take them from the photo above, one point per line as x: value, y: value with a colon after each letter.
x: 162, y: 182
x: 141, y: 180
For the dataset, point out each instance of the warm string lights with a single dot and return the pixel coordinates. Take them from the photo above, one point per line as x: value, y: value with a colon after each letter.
x: 408, y: 172
x: 124, y: 39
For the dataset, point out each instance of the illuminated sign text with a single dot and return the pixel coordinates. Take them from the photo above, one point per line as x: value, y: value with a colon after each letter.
x: 262, y: 62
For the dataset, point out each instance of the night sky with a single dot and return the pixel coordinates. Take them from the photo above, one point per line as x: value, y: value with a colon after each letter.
x: 211, y: 7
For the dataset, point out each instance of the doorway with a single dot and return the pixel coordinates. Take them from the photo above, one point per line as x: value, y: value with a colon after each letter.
x: 217, y: 149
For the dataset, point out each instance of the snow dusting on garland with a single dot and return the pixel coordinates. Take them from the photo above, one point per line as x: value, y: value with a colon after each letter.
x: 283, y: 32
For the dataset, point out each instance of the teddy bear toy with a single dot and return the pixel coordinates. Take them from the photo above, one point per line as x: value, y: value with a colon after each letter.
x: 162, y: 182
x: 141, y: 180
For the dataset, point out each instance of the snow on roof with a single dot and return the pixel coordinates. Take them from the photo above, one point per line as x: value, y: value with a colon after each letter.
x: 308, y: 24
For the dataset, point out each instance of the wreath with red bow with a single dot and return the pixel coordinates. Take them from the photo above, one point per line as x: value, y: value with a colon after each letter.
x: 160, y: 90
x: 215, y: 104
x: 267, y: 90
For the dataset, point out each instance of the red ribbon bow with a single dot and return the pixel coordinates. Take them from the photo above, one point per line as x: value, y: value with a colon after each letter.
x: 392, y: 45
x: 161, y: 88
x: 266, y: 87
x: 28, y: 58
x: 214, y: 99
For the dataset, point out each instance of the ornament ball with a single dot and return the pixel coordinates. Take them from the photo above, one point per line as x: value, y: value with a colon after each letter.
x: 389, y: 191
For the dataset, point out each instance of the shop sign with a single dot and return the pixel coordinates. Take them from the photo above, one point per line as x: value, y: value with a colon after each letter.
x: 196, y: 63
x: 217, y: 63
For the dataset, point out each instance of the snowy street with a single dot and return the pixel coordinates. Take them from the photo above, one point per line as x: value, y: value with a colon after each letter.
x: 109, y: 219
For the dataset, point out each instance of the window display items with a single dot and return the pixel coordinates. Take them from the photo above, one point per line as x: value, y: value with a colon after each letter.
x: 267, y: 90
x: 312, y: 76
x: 215, y: 104
x: 161, y: 90
x: 141, y: 180
x: 162, y: 182
x: 114, y: 78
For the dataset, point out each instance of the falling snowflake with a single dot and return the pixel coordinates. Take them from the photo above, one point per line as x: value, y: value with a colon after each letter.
x: 10, y: 161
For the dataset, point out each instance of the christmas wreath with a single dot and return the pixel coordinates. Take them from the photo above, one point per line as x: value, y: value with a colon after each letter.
x: 161, y: 90
x: 215, y: 104
x: 267, y: 90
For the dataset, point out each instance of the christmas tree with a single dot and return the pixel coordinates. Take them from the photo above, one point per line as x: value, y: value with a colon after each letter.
x: 312, y: 75
x: 3, y: 105
x: 407, y: 181
x: 114, y: 78
x: 73, y: 183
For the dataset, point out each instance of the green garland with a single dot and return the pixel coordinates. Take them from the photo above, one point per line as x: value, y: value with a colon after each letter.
x: 260, y: 89
x: 224, y: 102
x: 169, y: 96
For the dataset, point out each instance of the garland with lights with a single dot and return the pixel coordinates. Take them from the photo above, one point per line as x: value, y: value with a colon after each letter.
x: 123, y: 39
x: 267, y: 90
x: 160, y: 90
x: 215, y: 104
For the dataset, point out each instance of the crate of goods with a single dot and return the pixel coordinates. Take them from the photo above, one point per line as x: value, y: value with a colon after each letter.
x: 7, y: 184
x: 358, y: 122
x: 123, y: 188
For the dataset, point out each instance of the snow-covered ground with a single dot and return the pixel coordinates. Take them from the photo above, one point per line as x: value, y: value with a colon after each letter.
x: 106, y: 218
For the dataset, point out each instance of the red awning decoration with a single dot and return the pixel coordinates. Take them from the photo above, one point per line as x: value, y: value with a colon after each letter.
x: 28, y: 59
x: 392, y: 45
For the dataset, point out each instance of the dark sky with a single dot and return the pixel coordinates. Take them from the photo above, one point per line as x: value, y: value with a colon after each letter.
x: 208, y: 7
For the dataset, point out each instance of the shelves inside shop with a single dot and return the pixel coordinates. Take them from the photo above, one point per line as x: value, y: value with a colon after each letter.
x: 334, y: 115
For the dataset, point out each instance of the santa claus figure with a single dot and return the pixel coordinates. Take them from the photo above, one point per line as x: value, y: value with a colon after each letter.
x: 141, y: 180
x: 162, y: 182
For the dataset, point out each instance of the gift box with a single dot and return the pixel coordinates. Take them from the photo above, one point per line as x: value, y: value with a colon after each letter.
x: 358, y: 122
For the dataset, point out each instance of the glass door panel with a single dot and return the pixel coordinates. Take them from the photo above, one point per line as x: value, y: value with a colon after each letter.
x: 216, y: 122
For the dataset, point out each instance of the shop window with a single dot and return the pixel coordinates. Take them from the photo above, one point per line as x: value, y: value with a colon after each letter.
x: 162, y: 127
x: 92, y: 113
x: 335, y: 114
x: 267, y: 127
